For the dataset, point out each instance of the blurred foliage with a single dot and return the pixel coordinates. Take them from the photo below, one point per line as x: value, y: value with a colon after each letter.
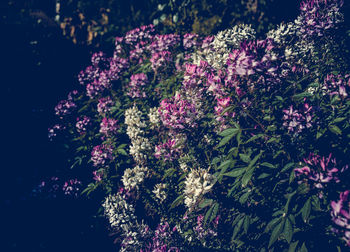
x: 96, y: 23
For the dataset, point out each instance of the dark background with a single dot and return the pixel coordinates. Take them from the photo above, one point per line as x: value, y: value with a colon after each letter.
x: 38, y: 67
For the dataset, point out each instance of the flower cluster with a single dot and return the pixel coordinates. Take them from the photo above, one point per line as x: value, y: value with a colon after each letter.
x: 160, y: 59
x: 82, y: 123
x: 320, y: 170
x: 65, y: 107
x: 341, y: 216
x: 159, y: 191
x: 154, y: 118
x: 109, y: 126
x: 72, y: 187
x: 203, y: 233
x: 178, y: 113
x: 171, y: 149
x: 295, y: 120
x: 132, y: 178
x: 100, y: 154
x: 137, y: 81
x: 198, y: 182
x: 336, y: 85
x: 52, y: 132
x: 104, y: 105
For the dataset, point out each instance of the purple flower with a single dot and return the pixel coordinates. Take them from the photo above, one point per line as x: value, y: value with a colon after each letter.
x: 109, y: 126
x: 64, y: 107
x: 341, y: 216
x: 136, y: 84
x: 320, y: 170
x: 82, y: 123
x: 71, y: 187
x: 100, y: 154
x: 296, y: 120
x: 104, y: 105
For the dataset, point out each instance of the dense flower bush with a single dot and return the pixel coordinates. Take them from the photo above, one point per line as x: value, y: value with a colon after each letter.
x: 225, y: 142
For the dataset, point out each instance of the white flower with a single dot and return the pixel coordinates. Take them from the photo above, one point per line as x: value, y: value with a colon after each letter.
x: 159, y: 191
x: 132, y: 178
x: 198, y: 182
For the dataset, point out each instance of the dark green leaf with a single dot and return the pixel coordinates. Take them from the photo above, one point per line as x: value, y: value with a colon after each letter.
x: 288, y: 231
x: 237, y: 228
x: 276, y: 232
x: 266, y: 164
x: 235, y: 173
x: 245, y: 158
x: 335, y: 129
x: 293, y: 246
x: 305, y: 211
x: 229, y: 132
x: 177, y: 201
x: 303, y: 248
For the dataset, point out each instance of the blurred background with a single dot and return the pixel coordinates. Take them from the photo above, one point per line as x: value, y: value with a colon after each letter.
x: 44, y: 44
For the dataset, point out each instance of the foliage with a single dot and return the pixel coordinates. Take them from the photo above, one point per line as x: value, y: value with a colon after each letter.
x: 224, y: 142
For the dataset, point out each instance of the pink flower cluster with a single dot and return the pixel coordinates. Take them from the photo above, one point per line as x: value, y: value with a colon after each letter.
x: 222, y: 104
x: 320, y: 170
x: 100, y: 154
x: 108, y: 126
x: 71, y: 187
x: 336, y: 85
x: 168, y: 150
x: 65, y: 107
x: 160, y: 59
x: 341, y: 216
x: 318, y: 16
x: 178, y: 113
x: 205, y: 232
x: 104, y: 105
x: 161, y: 43
x: 135, y: 88
x: 190, y: 41
x: 143, y: 33
x: 52, y: 132
x: 296, y: 120
x: 82, y: 123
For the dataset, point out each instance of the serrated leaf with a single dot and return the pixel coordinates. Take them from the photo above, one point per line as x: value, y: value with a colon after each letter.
x: 246, y: 224
x: 264, y: 175
x: 266, y: 164
x: 276, y: 232
x: 287, y: 166
x: 246, y: 177
x: 288, y: 231
x: 235, y: 173
x: 224, y: 141
x: 243, y: 199
x: 205, y: 202
x: 305, y: 211
x: 237, y: 228
x: 229, y: 132
x: 335, y: 129
x: 177, y: 201
x: 245, y: 158
x: 293, y: 246
x: 303, y: 248
x: 339, y: 119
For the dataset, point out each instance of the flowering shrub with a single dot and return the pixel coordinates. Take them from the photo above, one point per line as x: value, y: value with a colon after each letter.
x: 224, y: 142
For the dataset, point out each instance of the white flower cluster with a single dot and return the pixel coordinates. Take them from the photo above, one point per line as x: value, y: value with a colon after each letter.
x: 133, y: 177
x: 159, y: 191
x: 122, y: 218
x: 232, y: 38
x: 198, y: 182
x: 217, y: 53
x: 283, y: 32
x: 154, y: 117
x: 119, y: 213
x: 139, y: 144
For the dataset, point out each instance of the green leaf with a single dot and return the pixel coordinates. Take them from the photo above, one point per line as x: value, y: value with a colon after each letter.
x: 335, y: 129
x: 177, y: 201
x: 272, y: 224
x: 214, y: 213
x: 339, y: 119
x: 235, y: 173
x: 224, y: 141
x: 266, y: 164
x: 276, y: 232
x: 122, y: 152
x: 303, y: 248
x: 246, y: 224
x: 237, y: 228
x: 229, y: 132
x: 254, y: 138
x: 305, y: 211
x: 264, y: 175
x: 288, y: 231
x: 287, y: 166
x: 245, y: 158
x: 224, y: 165
x: 293, y: 246
x: 246, y: 177
x: 243, y: 199
x: 255, y: 159
x: 205, y: 202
